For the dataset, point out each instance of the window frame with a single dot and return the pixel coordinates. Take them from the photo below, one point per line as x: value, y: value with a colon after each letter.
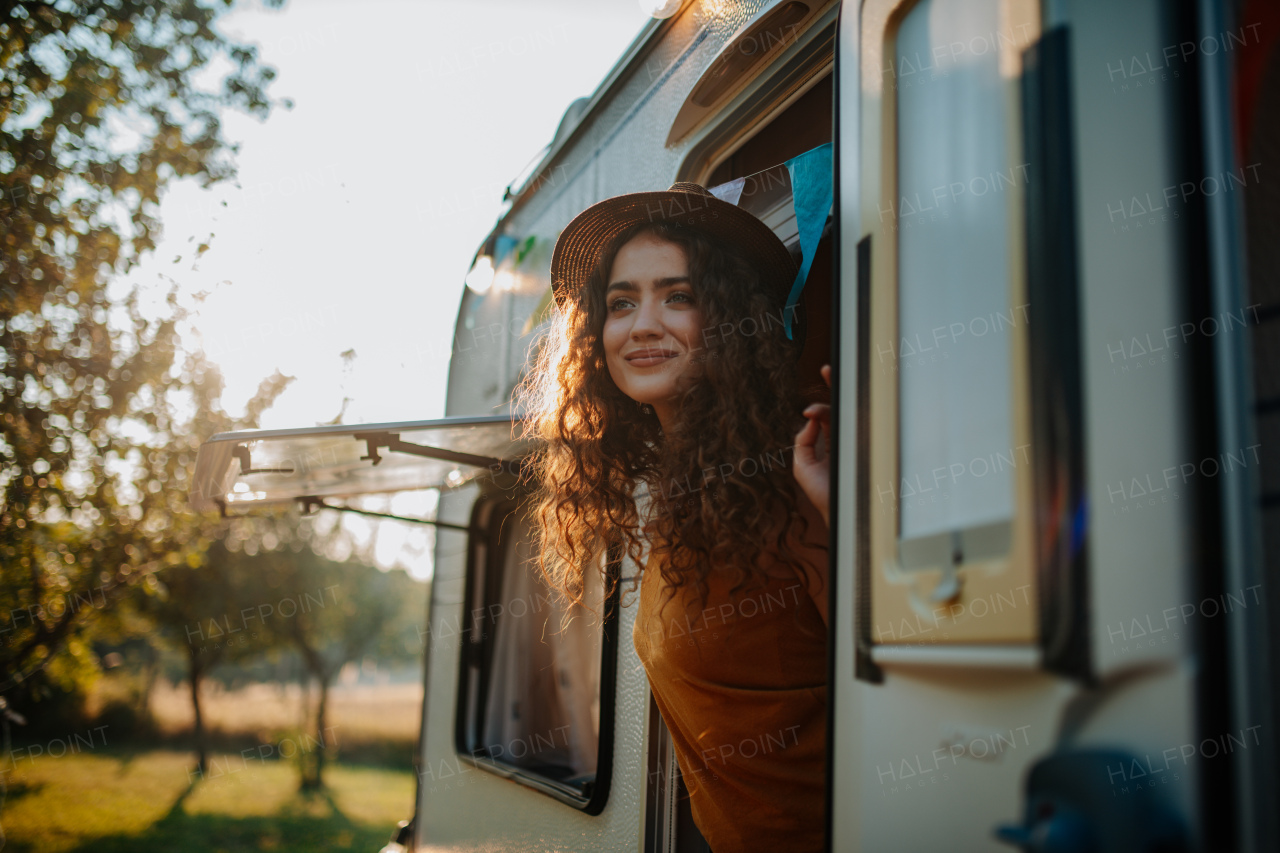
x: 493, y: 516
x: 1011, y: 637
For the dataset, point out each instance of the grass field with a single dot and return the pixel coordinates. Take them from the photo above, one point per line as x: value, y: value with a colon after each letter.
x: 118, y: 801
x: 141, y: 797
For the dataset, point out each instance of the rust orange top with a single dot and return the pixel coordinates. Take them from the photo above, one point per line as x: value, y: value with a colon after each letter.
x: 742, y: 685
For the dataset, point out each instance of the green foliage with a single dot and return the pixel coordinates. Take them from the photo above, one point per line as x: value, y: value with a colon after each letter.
x: 209, y: 610
x: 100, y: 419
x: 102, y: 105
x: 244, y: 603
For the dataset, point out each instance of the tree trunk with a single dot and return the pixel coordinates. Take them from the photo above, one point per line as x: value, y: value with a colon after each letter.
x: 195, y: 673
x: 150, y: 674
x: 321, y: 736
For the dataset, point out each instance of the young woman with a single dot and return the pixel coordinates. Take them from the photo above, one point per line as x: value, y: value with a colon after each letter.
x: 667, y: 398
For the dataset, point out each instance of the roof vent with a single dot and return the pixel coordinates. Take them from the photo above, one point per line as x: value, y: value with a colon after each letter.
x: 747, y: 51
x: 742, y: 57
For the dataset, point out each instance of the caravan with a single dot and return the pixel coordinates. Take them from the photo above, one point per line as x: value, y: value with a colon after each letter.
x: 1045, y: 287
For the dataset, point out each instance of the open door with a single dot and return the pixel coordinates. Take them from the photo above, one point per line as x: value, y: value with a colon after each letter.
x: 1020, y: 656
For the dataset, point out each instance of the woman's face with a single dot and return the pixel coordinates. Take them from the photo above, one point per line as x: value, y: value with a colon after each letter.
x: 652, y: 324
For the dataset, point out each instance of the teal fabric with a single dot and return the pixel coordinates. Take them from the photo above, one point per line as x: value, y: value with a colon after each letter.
x: 814, y: 192
x: 503, y: 248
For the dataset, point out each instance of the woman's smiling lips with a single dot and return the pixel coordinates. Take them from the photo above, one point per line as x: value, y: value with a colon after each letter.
x: 649, y: 357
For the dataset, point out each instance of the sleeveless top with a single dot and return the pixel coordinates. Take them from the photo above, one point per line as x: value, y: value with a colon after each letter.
x: 742, y: 686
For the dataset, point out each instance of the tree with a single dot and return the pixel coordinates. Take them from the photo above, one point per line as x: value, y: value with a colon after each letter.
x: 100, y: 109
x: 211, y: 611
x: 340, y: 612
x: 265, y: 588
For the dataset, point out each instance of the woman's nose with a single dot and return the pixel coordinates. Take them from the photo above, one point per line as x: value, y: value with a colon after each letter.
x: 648, y: 319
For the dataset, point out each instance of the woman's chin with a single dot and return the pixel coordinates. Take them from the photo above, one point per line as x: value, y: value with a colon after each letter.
x: 650, y: 395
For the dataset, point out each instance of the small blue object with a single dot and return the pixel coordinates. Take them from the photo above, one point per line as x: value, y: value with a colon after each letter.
x: 813, y: 190
x: 503, y: 248
x: 1079, y: 525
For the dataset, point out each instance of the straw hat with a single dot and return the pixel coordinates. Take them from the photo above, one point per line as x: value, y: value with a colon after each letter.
x: 684, y: 204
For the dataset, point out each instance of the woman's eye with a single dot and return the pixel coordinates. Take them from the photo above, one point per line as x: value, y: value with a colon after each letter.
x: 622, y: 302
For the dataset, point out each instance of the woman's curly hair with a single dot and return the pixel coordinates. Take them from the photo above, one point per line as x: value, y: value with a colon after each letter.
x: 719, y: 482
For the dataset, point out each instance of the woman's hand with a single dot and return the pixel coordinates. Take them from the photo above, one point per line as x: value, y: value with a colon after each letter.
x: 812, y: 466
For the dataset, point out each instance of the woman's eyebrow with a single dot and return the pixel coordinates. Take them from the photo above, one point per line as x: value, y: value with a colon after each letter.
x: 661, y: 283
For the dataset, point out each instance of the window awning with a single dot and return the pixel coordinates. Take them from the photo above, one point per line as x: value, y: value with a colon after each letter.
x: 256, y: 467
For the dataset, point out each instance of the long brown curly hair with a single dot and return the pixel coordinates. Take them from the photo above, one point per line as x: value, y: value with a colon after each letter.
x: 720, y: 482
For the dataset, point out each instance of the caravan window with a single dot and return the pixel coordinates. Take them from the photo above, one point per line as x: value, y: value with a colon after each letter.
x: 954, y: 350
x: 944, y: 503
x: 532, y: 702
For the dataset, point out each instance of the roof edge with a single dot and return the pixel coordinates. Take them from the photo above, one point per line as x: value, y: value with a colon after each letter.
x: 650, y: 32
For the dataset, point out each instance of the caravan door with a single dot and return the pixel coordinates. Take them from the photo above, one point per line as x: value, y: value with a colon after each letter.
x: 1021, y: 648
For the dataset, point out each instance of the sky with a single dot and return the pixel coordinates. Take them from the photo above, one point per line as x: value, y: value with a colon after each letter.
x: 356, y: 213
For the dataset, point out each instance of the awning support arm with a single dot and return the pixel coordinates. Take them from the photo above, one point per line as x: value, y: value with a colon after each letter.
x: 392, y: 442
x: 241, y: 452
x: 310, y: 505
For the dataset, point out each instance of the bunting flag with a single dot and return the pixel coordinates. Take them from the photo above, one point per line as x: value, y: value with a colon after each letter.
x: 503, y: 248
x: 730, y: 192
x: 813, y: 192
